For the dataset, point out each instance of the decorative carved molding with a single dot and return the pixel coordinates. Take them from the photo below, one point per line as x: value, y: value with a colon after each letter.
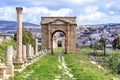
x: 58, y: 22
x: 19, y: 10
x: 50, y: 20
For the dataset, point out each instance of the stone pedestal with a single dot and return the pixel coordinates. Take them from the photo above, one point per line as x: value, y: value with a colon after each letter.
x: 9, y: 60
x: 10, y: 69
x: 24, y: 53
x: 2, y: 71
x: 19, y: 59
x: 29, y: 52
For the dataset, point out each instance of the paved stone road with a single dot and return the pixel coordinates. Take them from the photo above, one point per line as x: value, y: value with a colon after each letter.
x: 63, y: 66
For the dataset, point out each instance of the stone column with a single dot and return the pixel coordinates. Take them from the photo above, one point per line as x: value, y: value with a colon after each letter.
x: 9, y: 60
x: 24, y: 53
x: 29, y: 52
x: 32, y: 52
x: 19, y: 59
x: 36, y: 47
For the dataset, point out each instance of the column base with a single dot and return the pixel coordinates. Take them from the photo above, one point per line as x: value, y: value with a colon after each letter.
x: 3, y: 71
x: 10, y: 69
x: 30, y: 58
x: 25, y: 60
x: 19, y: 63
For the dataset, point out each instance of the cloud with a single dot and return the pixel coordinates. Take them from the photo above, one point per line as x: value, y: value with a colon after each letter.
x: 112, y: 4
x: 86, y: 11
x: 61, y: 12
x: 90, y: 15
x: 32, y: 14
x: 93, y: 15
x: 91, y: 18
x: 90, y: 9
x: 7, y: 13
x: 79, y: 1
x: 111, y: 12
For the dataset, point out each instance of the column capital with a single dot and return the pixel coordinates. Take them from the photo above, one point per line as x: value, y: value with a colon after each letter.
x: 19, y: 10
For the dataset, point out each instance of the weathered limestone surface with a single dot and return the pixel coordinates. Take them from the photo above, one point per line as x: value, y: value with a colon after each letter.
x: 19, y: 59
x: 9, y: 60
x: 32, y: 53
x: 67, y: 25
x: 2, y: 71
x: 29, y: 52
x: 55, y: 41
x: 46, y: 20
x: 24, y: 53
x: 36, y: 47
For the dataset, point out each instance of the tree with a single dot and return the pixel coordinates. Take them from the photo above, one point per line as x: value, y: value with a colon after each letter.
x: 26, y: 37
x: 103, y: 42
x: 94, y: 49
x: 116, y: 43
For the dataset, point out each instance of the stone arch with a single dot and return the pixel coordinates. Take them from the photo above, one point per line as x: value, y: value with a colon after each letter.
x: 67, y: 25
x: 60, y: 40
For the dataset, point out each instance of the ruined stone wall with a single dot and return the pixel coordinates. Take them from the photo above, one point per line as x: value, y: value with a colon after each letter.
x: 67, y: 25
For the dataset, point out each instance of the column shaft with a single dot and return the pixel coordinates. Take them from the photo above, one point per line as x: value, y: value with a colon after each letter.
x: 36, y: 47
x: 9, y: 60
x: 19, y: 59
x: 24, y: 53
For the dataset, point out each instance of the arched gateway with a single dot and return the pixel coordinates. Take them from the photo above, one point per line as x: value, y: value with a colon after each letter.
x: 67, y: 25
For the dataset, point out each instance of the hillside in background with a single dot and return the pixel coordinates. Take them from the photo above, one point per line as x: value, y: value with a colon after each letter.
x: 11, y: 25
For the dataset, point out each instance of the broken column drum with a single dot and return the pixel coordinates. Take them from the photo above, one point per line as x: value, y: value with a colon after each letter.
x: 9, y: 60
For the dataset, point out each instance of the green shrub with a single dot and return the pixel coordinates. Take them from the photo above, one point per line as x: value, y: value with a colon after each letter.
x: 39, y: 47
x: 26, y: 37
x: 113, y: 62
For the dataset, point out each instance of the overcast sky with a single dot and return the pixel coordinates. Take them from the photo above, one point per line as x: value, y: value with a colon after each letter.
x: 86, y: 11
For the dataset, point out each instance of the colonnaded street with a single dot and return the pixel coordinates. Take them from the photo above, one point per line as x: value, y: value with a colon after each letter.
x: 61, y: 66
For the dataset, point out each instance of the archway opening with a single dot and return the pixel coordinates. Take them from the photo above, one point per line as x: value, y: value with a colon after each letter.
x: 58, y: 42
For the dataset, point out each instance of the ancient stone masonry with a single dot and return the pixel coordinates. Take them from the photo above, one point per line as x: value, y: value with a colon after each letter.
x: 24, y: 53
x: 2, y: 71
x: 56, y: 40
x: 32, y: 53
x: 36, y: 47
x: 29, y: 52
x: 9, y: 60
x: 19, y: 59
x: 67, y: 25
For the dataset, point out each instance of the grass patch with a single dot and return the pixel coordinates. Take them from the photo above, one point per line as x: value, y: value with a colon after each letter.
x: 111, y: 61
x: 59, y: 49
x: 84, y: 70
x: 44, y: 69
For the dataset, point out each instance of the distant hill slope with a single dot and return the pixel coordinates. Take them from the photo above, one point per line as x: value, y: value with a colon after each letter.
x: 105, y: 25
x: 11, y: 25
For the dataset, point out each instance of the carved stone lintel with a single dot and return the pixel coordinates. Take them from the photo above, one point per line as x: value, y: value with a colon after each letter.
x: 58, y: 20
